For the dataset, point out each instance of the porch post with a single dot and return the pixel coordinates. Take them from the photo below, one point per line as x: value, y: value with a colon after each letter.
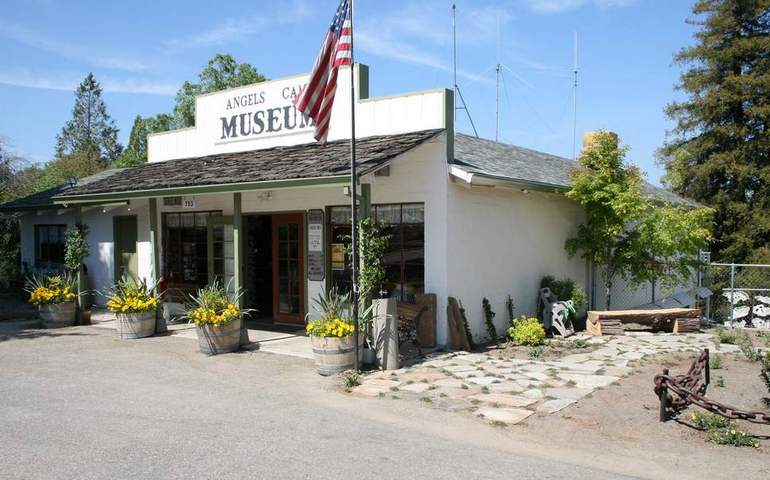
x: 238, y: 257
x: 160, y: 320
x: 366, y: 200
x: 79, y: 275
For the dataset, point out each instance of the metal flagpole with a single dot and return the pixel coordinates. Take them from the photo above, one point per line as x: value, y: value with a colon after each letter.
x: 353, y: 181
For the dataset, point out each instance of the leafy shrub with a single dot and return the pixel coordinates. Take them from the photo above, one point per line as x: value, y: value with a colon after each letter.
x: 350, y: 379
x: 565, y: 289
x: 47, y: 290
x: 131, y: 296
x: 527, y: 331
x: 489, y: 317
x: 536, y: 352
x: 715, y: 362
x: 722, y: 431
x: 510, y: 307
x: 726, y: 336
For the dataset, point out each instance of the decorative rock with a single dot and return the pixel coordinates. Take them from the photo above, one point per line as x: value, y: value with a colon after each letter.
x: 510, y: 416
x: 553, y: 406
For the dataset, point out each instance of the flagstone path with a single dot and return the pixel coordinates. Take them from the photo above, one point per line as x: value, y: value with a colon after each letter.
x: 508, y: 390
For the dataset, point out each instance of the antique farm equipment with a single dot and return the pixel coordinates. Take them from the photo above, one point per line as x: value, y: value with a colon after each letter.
x: 676, y: 392
x: 136, y: 325
x: 615, y: 322
x: 557, y: 315
x: 57, y: 315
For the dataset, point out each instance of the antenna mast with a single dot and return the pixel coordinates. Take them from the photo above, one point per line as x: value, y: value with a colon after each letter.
x: 497, y: 104
x: 457, y: 92
x: 574, y: 95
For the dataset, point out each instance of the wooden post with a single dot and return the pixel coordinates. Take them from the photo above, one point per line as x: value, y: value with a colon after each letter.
x: 663, y: 396
x: 238, y: 258
x: 160, y: 321
x: 79, y: 274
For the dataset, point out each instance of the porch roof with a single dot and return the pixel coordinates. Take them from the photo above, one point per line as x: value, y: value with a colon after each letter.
x: 296, y: 165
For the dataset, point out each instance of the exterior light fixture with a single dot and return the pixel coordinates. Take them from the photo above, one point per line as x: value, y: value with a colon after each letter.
x: 72, y: 181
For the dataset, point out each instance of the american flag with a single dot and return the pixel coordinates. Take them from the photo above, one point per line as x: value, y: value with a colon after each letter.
x: 317, y: 98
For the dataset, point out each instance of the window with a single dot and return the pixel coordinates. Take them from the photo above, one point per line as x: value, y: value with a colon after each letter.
x: 49, y: 245
x: 185, y: 250
x: 404, y: 260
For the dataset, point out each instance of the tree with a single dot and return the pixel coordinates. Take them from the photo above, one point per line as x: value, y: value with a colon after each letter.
x: 136, y: 151
x: 220, y: 73
x: 81, y: 163
x: 12, y: 186
x: 610, y: 193
x: 719, y: 151
x: 91, y: 131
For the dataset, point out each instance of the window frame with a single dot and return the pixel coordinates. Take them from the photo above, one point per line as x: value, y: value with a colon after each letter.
x: 39, y: 261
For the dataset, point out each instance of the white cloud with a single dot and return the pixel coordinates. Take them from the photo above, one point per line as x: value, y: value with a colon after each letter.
x: 69, y: 82
x: 70, y: 51
x: 558, y: 6
x: 233, y: 29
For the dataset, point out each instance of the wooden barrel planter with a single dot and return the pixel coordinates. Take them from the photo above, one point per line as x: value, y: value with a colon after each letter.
x: 215, y: 339
x: 333, y: 355
x: 57, y: 315
x: 136, y: 325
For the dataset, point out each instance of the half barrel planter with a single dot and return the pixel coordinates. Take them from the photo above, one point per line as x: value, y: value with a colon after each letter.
x: 136, y: 325
x: 216, y: 339
x: 57, y: 315
x: 333, y: 354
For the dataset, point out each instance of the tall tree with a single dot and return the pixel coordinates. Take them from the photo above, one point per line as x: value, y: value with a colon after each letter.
x: 220, y: 73
x: 91, y: 131
x: 719, y: 152
x: 136, y: 151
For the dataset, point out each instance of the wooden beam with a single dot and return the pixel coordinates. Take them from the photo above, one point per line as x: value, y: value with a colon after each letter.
x: 160, y: 321
x: 238, y: 257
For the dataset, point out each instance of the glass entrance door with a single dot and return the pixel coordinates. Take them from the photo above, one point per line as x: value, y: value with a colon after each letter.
x: 288, y: 268
x: 220, y: 250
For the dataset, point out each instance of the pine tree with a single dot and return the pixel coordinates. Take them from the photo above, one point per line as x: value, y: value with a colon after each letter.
x: 136, y: 150
x: 91, y: 131
x: 719, y: 151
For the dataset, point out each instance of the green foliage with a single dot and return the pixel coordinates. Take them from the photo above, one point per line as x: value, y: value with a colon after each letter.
x: 129, y: 158
x: 221, y: 72
x: 625, y: 232
x: 91, y: 131
x: 76, y: 247
x: 721, y: 335
x: 350, y: 379
x: 136, y: 151
x: 510, y: 308
x: 715, y: 362
x: 718, y: 152
x: 489, y: 317
x: 81, y: 163
x: 527, y: 331
x: 565, y: 289
x: 536, y: 352
x: 372, y: 245
x: 722, y: 431
x: 467, y: 328
x: 333, y: 305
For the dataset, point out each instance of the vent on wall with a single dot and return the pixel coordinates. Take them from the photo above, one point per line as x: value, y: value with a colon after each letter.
x: 172, y: 201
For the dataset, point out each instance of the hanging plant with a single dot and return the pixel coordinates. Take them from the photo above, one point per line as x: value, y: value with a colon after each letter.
x: 489, y: 317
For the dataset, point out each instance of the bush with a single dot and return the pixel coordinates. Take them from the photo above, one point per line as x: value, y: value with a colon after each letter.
x: 722, y: 431
x: 527, y: 331
x: 726, y: 336
x: 565, y: 289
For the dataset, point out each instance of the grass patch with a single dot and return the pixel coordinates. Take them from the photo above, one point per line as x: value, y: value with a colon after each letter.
x: 715, y: 362
x: 722, y: 431
x: 426, y: 400
x: 350, y: 380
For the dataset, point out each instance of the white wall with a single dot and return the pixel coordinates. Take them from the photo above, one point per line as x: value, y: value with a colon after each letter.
x: 502, y: 242
x: 378, y: 116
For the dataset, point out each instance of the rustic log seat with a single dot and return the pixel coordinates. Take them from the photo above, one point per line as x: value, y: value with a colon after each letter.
x: 616, y: 322
x: 409, y: 316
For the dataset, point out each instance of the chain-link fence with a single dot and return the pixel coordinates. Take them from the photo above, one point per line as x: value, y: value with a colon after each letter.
x: 626, y: 295
x: 741, y: 294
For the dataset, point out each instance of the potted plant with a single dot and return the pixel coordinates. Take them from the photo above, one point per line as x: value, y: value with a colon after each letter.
x: 55, y: 298
x: 135, y: 304
x: 217, y: 318
x: 332, y: 335
x: 76, y: 250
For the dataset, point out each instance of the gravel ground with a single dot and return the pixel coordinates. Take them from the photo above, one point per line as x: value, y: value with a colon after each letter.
x: 78, y: 403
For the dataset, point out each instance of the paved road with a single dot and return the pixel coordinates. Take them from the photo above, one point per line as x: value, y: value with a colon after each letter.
x: 78, y: 403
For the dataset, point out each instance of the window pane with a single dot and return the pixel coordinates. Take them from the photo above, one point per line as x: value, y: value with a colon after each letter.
x: 340, y: 215
x: 414, y: 213
x: 388, y: 214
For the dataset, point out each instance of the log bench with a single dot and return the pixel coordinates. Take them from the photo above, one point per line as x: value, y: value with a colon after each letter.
x: 616, y: 322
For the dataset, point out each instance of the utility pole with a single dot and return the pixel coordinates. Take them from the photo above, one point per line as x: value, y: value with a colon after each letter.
x: 574, y: 96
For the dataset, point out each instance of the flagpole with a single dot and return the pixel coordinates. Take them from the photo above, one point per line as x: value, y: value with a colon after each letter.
x: 353, y: 195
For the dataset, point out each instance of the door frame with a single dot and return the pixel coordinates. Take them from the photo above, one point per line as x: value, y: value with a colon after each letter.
x: 300, y: 218
x: 211, y: 221
x: 117, y: 261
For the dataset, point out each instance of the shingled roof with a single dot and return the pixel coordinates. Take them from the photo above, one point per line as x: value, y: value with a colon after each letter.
x: 44, y: 199
x: 311, y: 160
x: 518, y: 164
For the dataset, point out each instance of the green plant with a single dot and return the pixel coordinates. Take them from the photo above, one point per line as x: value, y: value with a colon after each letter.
x: 722, y: 431
x: 536, y: 352
x: 510, y: 308
x: 350, y: 379
x: 715, y: 362
x: 527, y: 331
x: 467, y: 328
x: 215, y: 304
x: 49, y: 290
x: 489, y: 317
x: 76, y: 247
x: 565, y: 289
x: 721, y: 335
x: 333, y: 304
x: 720, y: 383
x: 579, y: 344
x: 129, y: 295
x: 747, y: 348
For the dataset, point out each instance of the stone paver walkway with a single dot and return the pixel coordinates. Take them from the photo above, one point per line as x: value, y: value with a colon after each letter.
x: 508, y: 390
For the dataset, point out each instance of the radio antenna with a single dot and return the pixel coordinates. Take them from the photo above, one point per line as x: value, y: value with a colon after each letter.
x: 457, y: 92
x: 574, y: 97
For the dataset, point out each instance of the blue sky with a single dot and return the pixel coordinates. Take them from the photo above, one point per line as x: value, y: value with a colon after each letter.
x: 141, y: 52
